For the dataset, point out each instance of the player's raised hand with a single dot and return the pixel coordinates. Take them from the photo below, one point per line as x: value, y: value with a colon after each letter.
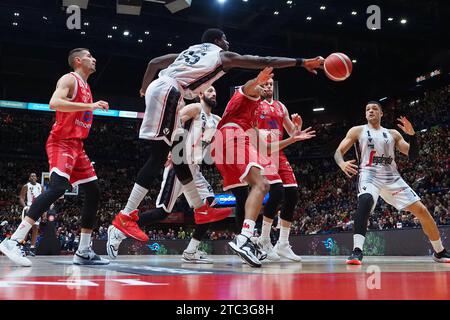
x: 312, y: 64
x: 264, y: 75
x: 297, y: 120
x: 103, y: 105
x: 406, y: 126
x: 350, y: 168
x: 306, y: 134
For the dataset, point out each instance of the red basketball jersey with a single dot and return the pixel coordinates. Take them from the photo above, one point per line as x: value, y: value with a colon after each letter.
x: 74, y: 125
x: 270, y: 116
x: 240, y: 110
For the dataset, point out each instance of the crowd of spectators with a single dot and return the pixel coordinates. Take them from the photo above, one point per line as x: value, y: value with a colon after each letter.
x: 327, y: 198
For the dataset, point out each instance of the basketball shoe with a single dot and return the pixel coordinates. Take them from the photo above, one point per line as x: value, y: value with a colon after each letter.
x: 266, y: 245
x: 443, y: 256
x: 284, y: 249
x: 245, y: 249
x: 207, y: 214
x: 115, y: 238
x: 128, y: 225
x: 88, y: 257
x: 197, y: 256
x: 356, y: 257
x: 13, y: 250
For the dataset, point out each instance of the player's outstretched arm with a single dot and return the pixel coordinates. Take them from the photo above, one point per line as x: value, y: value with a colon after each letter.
x: 297, y: 136
x: 349, y: 167
x: 153, y: 67
x: 253, y: 87
x: 60, y: 98
x: 232, y: 60
x: 409, y: 149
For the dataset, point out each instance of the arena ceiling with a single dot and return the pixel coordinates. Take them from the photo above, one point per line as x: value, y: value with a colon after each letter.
x: 35, y: 40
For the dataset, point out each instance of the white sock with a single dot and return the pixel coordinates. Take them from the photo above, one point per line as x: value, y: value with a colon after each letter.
x: 248, y: 227
x: 437, y: 245
x: 358, y: 241
x: 137, y: 195
x: 85, y: 241
x: 265, y: 231
x: 192, y: 196
x: 21, y: 231
x: 193, y: 245
x: 284, y: 234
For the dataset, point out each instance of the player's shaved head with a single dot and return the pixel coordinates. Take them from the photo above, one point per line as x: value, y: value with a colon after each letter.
x: 76, y: 53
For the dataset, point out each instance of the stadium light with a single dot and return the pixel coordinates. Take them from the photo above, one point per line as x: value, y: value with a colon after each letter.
x: 318, y: 109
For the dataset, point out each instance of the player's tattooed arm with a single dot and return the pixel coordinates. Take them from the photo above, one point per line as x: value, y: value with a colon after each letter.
x: 349, y: 167
x: 153, y: 67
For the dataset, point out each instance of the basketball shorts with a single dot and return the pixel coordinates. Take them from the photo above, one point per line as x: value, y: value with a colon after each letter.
x: 397, y: 193
x: 163, y: 100
x: 68, y: 159
x: 283, y: 171
x: 234, y: 156
x: 24, y: 212
x: 172, y: 188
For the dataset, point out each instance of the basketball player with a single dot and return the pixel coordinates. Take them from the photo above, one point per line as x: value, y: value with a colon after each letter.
x: 201, y: 124
x: 69, y: 164
x: 270, y: 118
x: 378, y: 176
x: 29, y: 192
x: 240, y: 164
x: 185, y: 75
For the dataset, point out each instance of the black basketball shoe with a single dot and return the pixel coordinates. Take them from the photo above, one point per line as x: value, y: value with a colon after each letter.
x: 356, y: 257
x: 442, y: 257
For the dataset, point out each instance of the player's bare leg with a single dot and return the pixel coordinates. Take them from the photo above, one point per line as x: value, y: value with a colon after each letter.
x: 242, y: 245
x: 431, y: 230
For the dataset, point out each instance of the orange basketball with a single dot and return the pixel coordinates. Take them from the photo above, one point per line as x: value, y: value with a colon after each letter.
x: 338, y: 66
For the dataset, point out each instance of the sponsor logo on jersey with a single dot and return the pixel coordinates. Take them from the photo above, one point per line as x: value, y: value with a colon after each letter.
x: 82, y: 124
x: 377, y: 160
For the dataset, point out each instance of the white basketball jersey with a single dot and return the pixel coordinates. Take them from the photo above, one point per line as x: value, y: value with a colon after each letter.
x: 377, y: 149
x: 200, y: 134
x: 196, y: 68
x: 33, y: 191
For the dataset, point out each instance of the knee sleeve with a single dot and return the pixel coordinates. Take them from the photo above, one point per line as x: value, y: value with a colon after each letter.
x: 91, y: 192
x: 276, y: 195
x: 200, y: 231
x: 365, y: 205
x: 181, y: 169
x: 183, y: 173
x: 241, y: 194
x: 290, y: 201
x: 57, y: 187
x: 154, y: 165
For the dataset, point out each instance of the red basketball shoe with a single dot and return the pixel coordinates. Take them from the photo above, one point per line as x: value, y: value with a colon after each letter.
x: 127, y: 224
x: 207, y: 214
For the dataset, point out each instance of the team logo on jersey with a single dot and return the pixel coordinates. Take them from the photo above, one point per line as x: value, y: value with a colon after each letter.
x: 87, y: 115
x: 385, y: 135
x: 166, y: 131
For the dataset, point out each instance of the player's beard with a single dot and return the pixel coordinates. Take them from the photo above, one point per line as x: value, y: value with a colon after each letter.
x: 210, y: 103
